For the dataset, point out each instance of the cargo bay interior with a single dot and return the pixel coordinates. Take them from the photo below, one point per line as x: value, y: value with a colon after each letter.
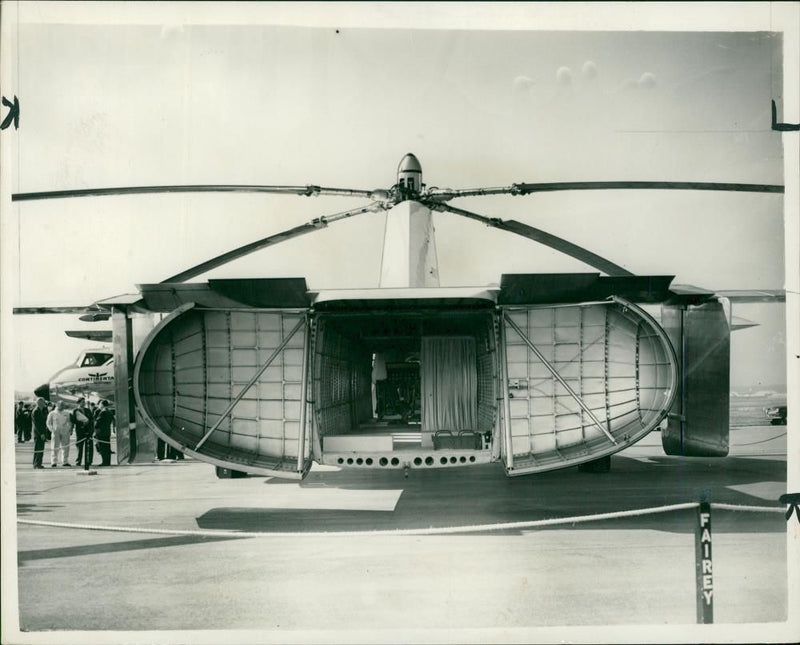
x: 385, y: 381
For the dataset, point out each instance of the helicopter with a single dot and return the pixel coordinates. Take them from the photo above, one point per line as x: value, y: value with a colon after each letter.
x: 539, y: 371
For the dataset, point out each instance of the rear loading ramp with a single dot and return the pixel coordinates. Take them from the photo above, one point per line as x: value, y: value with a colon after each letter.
x: 581, y: 382
x: 226, y: 386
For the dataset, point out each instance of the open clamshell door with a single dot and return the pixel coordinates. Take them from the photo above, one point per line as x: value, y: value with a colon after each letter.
x: 582, y: 382
x: 227, y: 386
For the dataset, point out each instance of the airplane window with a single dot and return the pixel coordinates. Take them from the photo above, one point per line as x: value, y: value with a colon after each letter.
x: 93, y: 360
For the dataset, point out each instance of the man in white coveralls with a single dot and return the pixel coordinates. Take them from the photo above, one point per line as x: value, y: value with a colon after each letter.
x: 59, y: 423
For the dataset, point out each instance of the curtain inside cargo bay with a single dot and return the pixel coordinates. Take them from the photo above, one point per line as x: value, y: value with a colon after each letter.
x: 449, y: 383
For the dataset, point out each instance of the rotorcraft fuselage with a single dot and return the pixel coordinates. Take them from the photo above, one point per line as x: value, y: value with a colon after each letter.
x: 542, y: 371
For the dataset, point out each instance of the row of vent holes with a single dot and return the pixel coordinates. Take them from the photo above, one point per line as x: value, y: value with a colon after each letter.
x: 383, y: 461
x: 417, y: 461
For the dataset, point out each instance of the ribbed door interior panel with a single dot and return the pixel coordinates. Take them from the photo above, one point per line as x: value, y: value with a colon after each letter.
x: 616, y: 361
x: 198, y: 361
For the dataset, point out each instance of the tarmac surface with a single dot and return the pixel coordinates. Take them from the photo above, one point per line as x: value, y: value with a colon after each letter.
x: 368, y: 586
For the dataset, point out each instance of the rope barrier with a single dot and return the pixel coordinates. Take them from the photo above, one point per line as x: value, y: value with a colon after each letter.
x: 77, y: 441
x: 73, y: 444
x: 64, y: 448
x: 755, y: 443
x: 748, y: 509
x: 482, y: 528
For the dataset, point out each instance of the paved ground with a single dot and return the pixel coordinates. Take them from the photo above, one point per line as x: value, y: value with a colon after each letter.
x: 375, y: 587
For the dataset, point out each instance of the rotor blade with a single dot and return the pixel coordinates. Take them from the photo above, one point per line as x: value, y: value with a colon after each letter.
x: 308, y: 191
x: 525, y: 189
x: 51, y: 310
x: 538, y: 235
x: 754, y: 295
x: 271, y: 240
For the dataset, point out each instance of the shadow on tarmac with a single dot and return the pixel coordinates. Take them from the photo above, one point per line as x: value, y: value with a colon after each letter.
x: 481, y: 495
x: 116, y: 547
x: 25, y: 509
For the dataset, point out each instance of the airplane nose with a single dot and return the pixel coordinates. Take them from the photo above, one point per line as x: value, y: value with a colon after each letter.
x: 43, y: 391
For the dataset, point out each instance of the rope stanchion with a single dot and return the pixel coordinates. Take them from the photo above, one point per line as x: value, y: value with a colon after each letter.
x: 704, y: 571
x: 704, y: 566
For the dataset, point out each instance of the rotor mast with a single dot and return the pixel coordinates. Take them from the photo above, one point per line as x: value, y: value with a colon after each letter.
x: 409, y: 258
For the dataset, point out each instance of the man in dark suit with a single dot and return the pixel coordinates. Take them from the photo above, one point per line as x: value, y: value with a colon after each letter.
x: 102, y: 432
x: 83, y: 422
x: 40, y: 431
x: 19, y: 408
x: 25, y: 422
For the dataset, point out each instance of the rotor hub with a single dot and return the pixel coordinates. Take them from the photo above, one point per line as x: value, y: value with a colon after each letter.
x: 409, y: 178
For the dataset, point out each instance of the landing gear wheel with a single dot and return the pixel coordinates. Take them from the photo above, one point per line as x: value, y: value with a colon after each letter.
x: 227, y: 473
x: 602, y: 465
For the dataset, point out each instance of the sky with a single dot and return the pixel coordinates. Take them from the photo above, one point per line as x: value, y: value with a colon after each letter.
x: 182, y: 103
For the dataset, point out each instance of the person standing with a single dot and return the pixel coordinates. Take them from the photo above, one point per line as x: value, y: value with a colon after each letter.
x: 161, y: 449
x: 19, y: 410
x: 26, y: 424
x: 379, y: 385
x: 59, y: 423
x: 39, y: 418
x: 102, y: 433
x: 84, y: 428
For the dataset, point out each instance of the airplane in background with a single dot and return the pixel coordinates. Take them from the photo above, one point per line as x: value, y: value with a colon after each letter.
x: 90, y: 375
